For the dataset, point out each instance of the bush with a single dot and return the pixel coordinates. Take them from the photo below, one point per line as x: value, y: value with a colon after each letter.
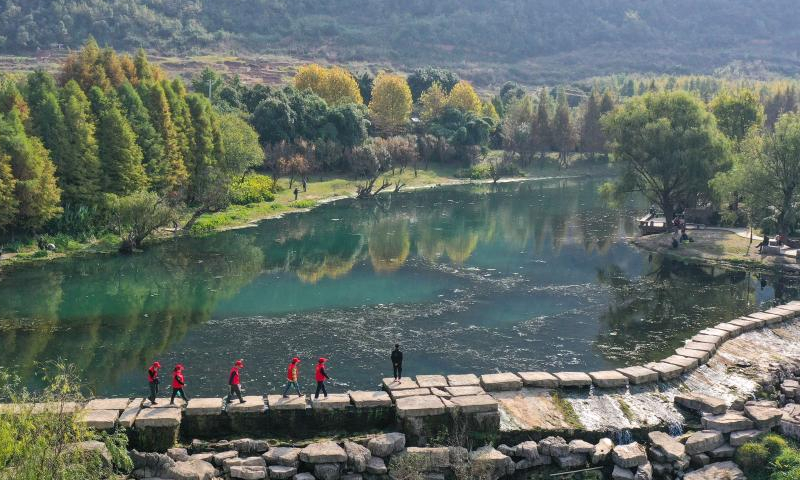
x: 788, y: 459
x: 480, y: 171
x: 40, y: 254
x: 303, y: 203
x: 775, y: 444
x: 751, y: 456
x: 253, y: 189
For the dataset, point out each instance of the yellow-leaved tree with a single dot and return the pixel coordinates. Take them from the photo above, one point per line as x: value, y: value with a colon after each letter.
x: 464, y: 98
x: 335, y: 85
x: 311, y: 77
x: 390, y: 108
x: 432, y: 102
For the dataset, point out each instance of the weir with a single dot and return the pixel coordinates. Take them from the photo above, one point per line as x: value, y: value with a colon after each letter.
x: 731, y: 361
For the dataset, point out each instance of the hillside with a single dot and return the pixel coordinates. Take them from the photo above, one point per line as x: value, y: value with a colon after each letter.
x: 530, y: 40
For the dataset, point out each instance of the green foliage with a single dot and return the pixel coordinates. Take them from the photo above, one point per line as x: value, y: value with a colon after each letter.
x: 117, y: 445
x: 774, y: 443
x: 737, y: 112
x: 306, y: 203
x: 253, y: 188
x: 752, y: 456
x: 135, y: 217
x: 422, y: 79
x: 461, y: 128
x: 480, y: 171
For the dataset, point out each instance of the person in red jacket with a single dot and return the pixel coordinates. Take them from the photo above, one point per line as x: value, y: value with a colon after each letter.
x: 178, y: 382
x: 152, y: 379
x: 291, y: 376
x: 321, y: 376
x: 235, y: 383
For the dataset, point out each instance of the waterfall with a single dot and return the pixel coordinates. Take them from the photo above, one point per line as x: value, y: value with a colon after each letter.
x: 674, y: 429
x: 623, y: 437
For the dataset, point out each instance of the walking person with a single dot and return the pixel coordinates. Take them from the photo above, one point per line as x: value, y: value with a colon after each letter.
x: 321, y: 376
x: 178, y: 383
x: 235, y: 383
x: 397, y: 362
x: 305, y: 184
x: 296, y: 192
x: 291, y: 376
x: 152, y: 379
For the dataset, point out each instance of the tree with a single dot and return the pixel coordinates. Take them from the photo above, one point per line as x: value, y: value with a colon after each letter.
x: 541, y: 137
x: 390, y: 108
x: 181, y: 117
x: 8, y: 202
x: 669, y: 148
x: 464, y: 98
x: 341, y: 88
x: 563, y: 131
x: 423, y: 79
x: 737, y: 112
x: 311, y: 77
x: 274, y: 120
x: 365, y: 82
x: 205, y: 148
x: 592, y: 138
x: 148, y: 139
x: 516, y: 126
x: 242, y: 151
x: 36, y: 192
x: 349, y: 123
x: 170, y: 172
x: 292, y: 166
x: 432, y: 103
x: 79, y: 161
x: 135, y: 217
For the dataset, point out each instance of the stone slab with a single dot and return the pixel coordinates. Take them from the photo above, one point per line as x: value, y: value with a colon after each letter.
x: 204, y: 406
x: 727, y: 422
x: 405, y: 383
x: 717, y: 471
x: 608, y: 379
x: 716, y: 332
x: 703, y: 441
x: 638, y: 375
x: 335, y: 401
x: 684, y: 362
x: 733, y: 330
x: 323, y: 452
x: 714, y: 340
x: 701, y: 356
x: 108, y: 404
x: 464, y: 391
x: 475, y: 403
x: 100, y: 419
x: 395, y: 394
x: 501, y: 382
x: 539, y: 379
x: 363, y: 399
x: 770, y: 318
x: 746, y: 325
x: 164, y: 403
x: 701, y: 403
x: 784, y: 313
x: 573, y: 379
x: 431, y: 381
x: 666, y: 371
x: 700, y: 347
x: 743, y: 436
x: 763, y: 417
x: 759, y: 321
x: 465, y: 380
x: 292, y: 402
x: 128, y: 417
x: 421, y: 406
x: 672, y: 448
x: 158, y: 417
x: 253, y: 404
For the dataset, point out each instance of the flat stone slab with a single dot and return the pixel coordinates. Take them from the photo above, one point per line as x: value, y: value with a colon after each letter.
x: 100, y: 419
x: 405, y: 383
x: 684, y: 362
x: 464, y: 391
x: 108, y: 404
x: 733, y: 330
x: 760, y: 322
x: 717, y: 471
x: 323, y: 452
x: 629, y: 456
x: 501, y: 382
x: 784, y: 313
x: 706, y: 348
x: 638, y: 375
x: 714, y: 340
x: 475, y: 403
x: 281, y: 472
x: 573, y: 379
x: 421, y: 406
x: 746, y: 325
x: 715, y: 332
x: 703, y: 441
x: 431, y: 381
x: 363, y: 399
x: 701, y: 403
x: 253, y: 404
x: 700, y: 356
x: 672, y: 448
x: 465, y: 380
x: 286, y: 456
x: 666, y: 371
x: 770, y: 318
x: 539, y: 379
x: 292, y: 402
x: 158, y: 417
x: 164, y: 403
x: 204, y: 406
x: 728, y: 422
x: 743, y: 436
x: 395, y: 394
x: 763, y: 417
x: 128, y: 417
x: 335, y: 401
x: 608, y: 379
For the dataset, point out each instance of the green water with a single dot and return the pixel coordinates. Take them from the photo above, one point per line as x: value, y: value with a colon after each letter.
x: 523, y: 276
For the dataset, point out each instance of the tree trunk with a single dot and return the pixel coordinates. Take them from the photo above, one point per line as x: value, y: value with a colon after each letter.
x: 197, y: 214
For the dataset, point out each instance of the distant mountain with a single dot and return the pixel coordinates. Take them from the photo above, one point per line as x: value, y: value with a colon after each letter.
x: 562, y: 37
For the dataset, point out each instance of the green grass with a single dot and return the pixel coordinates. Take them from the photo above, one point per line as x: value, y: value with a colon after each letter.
x: 567, y: 411
x: 626, y: 410
x: 235, y: 215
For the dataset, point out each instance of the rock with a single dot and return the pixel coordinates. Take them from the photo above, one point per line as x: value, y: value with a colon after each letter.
x: 376, y: 466
x: 491, y: 463
x: 629, y: 456
x: 93, y: 447
x: 741, y: 437
x: 580, y: 446
x: 666, y: 371
x: 539, y: 379
x: 620, y: 473
x: 248, y: 472
x: 703, y: 441
x: 475, y: 404
x: 352, y: 476
x: 700, y: 460
x: 526, y: 463
x: 178, y: 454
x: 601, y: 451
x: 431, y: 381
x: 386, y: 444
x: 370, y: 399
x: 458, y: 455
x: 701, y: 403
x: 250, y: 446
x: 528, y: 450
x: 404, y: 383
x: 327, y: 471
x: 149, y: 464
x: 465, y: 380
x: 357, y: 456
x: 722, y: 452
x: 243, y: 462
x: 554, y: 447
x: 685, y: 363
x: 573, y: 379
x: 281, y: 472
x: 284, y: 456
x: 763, y: 417
x: 219, y: 458
x: 672, y: 449
x: 412, y: 392
x: 608, y: 379
x: 100, y: 419
x: 204, y: 406
x: 193, y: 470
x: 323, y: 452
x: 727, y: 422
x: 419, y: 406
x: 644, y: 472
x: 717, y: 471
x: 433, y: 458
x: 573, y: 460
x: 158, y: 417
x: 304, y: 476
x: 465, y: 391
x: 505, y: 450
x: 638, y: 375
x: 661, y: 470
x: 206, y: 457
x: 497, y: 382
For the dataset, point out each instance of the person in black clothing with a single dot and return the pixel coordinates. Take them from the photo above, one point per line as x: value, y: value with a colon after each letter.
x: 397, y: 362
x: 305, y: 184
x: 296, y: 192
x: 320, y: 376
x: 764, y: 243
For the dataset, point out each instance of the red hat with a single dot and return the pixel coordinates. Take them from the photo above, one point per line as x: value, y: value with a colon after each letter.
x: 295, y: 360
x: 179, y: 367
x: 323, y: 360
x: 156, y: 364
x: 239, y: 363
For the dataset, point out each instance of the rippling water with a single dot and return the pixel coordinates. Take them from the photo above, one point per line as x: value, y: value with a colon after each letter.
x: 532, y: 275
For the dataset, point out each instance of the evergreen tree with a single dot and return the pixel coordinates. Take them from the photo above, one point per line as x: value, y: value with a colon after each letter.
x: 592, y: 138
x: 563, y: 131
x: 148, y: 139
x: 144, y: 72
x: 12, y: 99
x: 8, y: 202
x: 540, y: 131
x: 169, y: 173
x: 46, y: 119
x: 204, y: 147
x: 120, y: 156
x: 79, y: 162
x: 608, y: 103
x: 36, y: 192
x: 181, y: 117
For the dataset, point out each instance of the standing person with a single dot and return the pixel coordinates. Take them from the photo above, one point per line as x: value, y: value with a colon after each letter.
x: 178, y: 382
x: 291, y: 376
x: 152, y: 379
x: 235, y: 383
x: 397, y: 362
x: 321, y: 376
x: 305, y: 184
x: 296, y: 192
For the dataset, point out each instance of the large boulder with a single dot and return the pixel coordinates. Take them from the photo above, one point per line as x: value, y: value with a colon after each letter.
x: 357, y: 456
x: 644, y: 472
x: 376, y: 466
x: 191, y: 470
x: 219, y: 458
x: 763, y: 417
x: 671, y: 448
x: 327, y: 471
x: 717, y: 471
x: 178, y: 454
x: 629, y: 456
x: 386, y: 444
x: 701, y: 403
x: 285, y: 456
x: 580, y: 446
x: 491, y: 463
x: 323, y: 452
x: 703, y: 441
x: 281, y: 472
x: 620, y: 473
x: 528, y: 450
x: 554, y: 447
x: 150, y: 465
x: 602, y: 450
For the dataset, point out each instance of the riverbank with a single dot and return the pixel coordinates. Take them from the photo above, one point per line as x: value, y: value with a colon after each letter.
x: 320, y: 190
x: 718, y: 246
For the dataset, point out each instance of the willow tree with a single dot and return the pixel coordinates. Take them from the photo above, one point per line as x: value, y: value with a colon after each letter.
x: 669, y: 148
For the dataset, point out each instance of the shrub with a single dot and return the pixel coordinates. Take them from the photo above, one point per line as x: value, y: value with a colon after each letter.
x: 480, y: 171
x: 308, y: 203
x: 752, y: 456
x: 253, y: 189
x: 788, y: 459
x: 40, y: 254
x: 775, y: 444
